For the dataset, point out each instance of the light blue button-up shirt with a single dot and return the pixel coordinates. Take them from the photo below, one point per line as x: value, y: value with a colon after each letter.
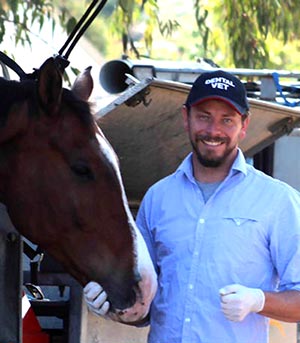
x: 248, y: 232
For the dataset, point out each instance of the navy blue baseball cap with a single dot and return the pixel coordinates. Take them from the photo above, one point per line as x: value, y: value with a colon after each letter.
x: 219, y: 85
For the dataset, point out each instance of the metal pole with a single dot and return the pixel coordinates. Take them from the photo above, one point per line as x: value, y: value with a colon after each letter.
x: 298, y: 333
x: 10, y: 280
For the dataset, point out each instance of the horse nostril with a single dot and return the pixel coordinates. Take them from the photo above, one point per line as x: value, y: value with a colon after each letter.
x: 121, y: 302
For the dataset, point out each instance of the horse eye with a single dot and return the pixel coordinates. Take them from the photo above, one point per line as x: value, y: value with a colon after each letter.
x: 83, y: 171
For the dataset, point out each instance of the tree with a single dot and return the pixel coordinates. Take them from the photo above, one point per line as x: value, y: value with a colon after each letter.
x: 243, y: 31
x: 23, y: 14
x: 17, y: 19
x: 129, y: 13
x: 247, y: 26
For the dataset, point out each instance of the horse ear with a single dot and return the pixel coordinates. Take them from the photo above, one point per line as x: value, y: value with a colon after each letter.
x: 83, y: 84
x: 50, y: 86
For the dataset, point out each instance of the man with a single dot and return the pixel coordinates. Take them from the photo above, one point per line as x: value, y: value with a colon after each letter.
x: 223, y: 236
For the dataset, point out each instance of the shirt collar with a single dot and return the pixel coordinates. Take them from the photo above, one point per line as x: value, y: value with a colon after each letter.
x: 239, y: 165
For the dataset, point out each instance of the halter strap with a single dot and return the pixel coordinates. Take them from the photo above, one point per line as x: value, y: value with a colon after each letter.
x: 12, y: 65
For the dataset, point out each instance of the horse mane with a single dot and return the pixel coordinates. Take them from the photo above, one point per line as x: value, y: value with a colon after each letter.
x: 14, y: 91
x: 80, y: 107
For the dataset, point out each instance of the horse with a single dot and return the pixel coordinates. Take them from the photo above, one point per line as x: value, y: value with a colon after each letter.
x: 62, y: 187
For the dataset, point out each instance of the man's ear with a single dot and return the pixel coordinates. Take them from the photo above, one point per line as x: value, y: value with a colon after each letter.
x: 185, y: 115
x: 245, y: 124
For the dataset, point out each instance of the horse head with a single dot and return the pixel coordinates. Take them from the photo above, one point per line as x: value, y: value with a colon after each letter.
x: 61, y: 184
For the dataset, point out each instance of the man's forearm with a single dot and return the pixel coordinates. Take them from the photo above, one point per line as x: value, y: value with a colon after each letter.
x: 283, y: 306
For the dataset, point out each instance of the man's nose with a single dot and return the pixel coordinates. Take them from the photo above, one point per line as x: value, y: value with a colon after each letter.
x: 213, y: 126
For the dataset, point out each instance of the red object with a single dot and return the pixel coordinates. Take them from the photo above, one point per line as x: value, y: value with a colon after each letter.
x: 32, y: 332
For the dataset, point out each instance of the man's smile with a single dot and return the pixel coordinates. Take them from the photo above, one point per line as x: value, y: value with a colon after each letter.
x: 212, y: 142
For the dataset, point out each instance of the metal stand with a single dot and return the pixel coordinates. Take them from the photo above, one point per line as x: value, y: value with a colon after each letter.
x: 12, y: 278
x: 10, y: 286
x: 72, y: 310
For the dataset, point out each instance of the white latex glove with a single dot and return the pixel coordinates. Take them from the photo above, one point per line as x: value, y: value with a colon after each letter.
x: 238, y: 301
x: 96, y: 299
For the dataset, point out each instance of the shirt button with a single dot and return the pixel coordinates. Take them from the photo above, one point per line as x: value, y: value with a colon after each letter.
x: 187, y: 320
x: 191, y: 286
x: 201, y: 220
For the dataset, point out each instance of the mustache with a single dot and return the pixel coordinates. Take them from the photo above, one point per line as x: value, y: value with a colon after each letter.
x: 210, y: 138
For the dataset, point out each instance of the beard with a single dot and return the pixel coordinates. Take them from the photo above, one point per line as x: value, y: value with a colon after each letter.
x: 209, y: 160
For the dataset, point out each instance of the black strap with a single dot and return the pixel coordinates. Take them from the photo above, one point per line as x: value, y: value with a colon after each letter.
x: 81, y: 27
x: 35, y: 262
x: 30, y: 252
x: 12, y: 65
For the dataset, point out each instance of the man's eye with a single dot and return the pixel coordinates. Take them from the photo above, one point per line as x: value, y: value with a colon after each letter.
x: 203, y: 117
x: 227, y: 120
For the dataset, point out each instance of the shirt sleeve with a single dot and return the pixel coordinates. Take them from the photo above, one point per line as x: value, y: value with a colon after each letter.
x: 285, y: 241
x: 143, y: 223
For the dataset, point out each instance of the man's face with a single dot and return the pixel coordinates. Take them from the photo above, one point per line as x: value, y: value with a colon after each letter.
x: 215, y: 129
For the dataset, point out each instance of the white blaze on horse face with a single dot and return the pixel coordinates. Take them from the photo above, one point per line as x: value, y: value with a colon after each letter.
x: 148, y: 283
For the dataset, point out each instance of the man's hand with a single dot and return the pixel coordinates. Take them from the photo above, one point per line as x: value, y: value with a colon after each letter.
x: 96, y: 299
x: 238, y: 301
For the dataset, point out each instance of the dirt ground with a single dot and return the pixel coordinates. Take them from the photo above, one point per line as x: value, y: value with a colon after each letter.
x: 283, y: 332
x: 104, y: 331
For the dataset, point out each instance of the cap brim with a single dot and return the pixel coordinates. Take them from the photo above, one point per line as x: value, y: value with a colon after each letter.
x: 231, y: 103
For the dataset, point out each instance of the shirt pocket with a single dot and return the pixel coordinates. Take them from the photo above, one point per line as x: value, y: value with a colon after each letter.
x: 239, y: 221
x: 243, y: 220
x: 245, y: 232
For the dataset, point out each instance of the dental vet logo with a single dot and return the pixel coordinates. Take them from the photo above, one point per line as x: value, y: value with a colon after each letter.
x: 220, y: 83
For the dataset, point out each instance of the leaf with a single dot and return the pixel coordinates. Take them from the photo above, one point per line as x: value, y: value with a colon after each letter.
x: 71, y: 23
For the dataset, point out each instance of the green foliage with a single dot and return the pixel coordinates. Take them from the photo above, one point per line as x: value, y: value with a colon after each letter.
x: 71, y: 12
x: 134, y: 20
x: 201, y: 15
x: 240, y: 33
x: 168, y: 27
x: 248, y: 26
x: 22, y: 15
